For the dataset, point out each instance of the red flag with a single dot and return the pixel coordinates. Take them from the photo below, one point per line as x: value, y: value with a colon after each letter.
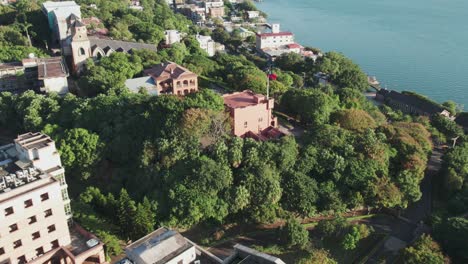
x: 272, y: 76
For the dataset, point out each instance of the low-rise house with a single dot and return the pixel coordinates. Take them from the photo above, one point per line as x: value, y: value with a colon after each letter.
x: 165, y: 78
x: 251, y: 114
x: 207, y: 44
x: 165, y: 246
x: 253, y: 14
x: 39, y: 74
x: 216, y: 11
x: 161, y: 246
x: 135, y: 5
x: 171, y: 37
x: 322, y: 78
x: 244, y: 33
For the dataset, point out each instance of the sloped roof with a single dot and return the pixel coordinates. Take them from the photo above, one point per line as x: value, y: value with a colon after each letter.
x: 168, y: 70
x: 125, y: 46
x: 146, y: 82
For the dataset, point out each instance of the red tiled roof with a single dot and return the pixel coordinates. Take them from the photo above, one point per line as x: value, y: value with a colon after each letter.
x: 168, y: 70
x: 242, y: 99
x: 294, y: 46
x: 279, y: 34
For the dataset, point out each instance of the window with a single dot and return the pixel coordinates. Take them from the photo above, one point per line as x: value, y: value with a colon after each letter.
x: 61, y: 177
x: 82, y: 51
x: 17, y: 244
x: 2, y: 251
x: 68, y: 209
x: 13, y: 228
x: 32, y: 219
x: 28, y: 203
x: 54, y: 244
x: 22, y: 260
x: 47, y: 212
x: 245, y: 124
x: 39, y: 251
x: 36, y: 235
x: 64, y: 194
x: 51, y: 228
x: 9, y: 211
x: 44, y: 196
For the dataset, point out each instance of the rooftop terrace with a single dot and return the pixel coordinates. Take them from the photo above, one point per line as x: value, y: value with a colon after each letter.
x: 33, y: 140
x: 243, y: 99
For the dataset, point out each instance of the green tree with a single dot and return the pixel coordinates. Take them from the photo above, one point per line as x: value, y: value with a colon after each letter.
x: 318, y: 256
x: 351, y: 239
x: 144, y: 221
x: 80, y: 150
x: 295, y: 234
x: 126, y: 212
x: 354, y: 119
x: 300, y: 194
x: 424, y: 250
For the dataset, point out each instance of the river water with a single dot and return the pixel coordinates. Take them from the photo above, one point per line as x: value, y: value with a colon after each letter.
x: 417, y: 45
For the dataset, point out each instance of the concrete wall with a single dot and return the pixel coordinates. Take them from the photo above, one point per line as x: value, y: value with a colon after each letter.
x: 252, y: 118
x: 186, y: 257
x: 16, y: 198
x: 44, y: 158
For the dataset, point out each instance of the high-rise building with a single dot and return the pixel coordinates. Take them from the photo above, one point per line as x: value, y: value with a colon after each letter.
x: 35, y: 214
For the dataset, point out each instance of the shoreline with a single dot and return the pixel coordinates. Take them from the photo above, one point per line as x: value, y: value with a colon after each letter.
x: 383, y: 85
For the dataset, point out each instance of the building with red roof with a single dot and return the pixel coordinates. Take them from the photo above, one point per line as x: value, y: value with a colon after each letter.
x: 251, y: 113
x: 274, y: 39
x: 165, y: 78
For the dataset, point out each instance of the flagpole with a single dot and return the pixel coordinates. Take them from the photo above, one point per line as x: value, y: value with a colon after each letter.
x: 268, y: 80
x: 268, y: 84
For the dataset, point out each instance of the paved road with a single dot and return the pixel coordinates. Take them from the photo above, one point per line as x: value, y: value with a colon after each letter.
x: 405, y: 229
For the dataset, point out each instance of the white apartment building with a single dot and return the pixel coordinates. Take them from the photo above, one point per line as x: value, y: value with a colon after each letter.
x: 34, y: 204
x: 35, y: 213
x: 275, y: 39
x: 207, y: 44
x: 38, y: 151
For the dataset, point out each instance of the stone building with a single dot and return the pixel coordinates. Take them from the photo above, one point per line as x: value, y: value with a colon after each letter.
x: 76, y: 45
